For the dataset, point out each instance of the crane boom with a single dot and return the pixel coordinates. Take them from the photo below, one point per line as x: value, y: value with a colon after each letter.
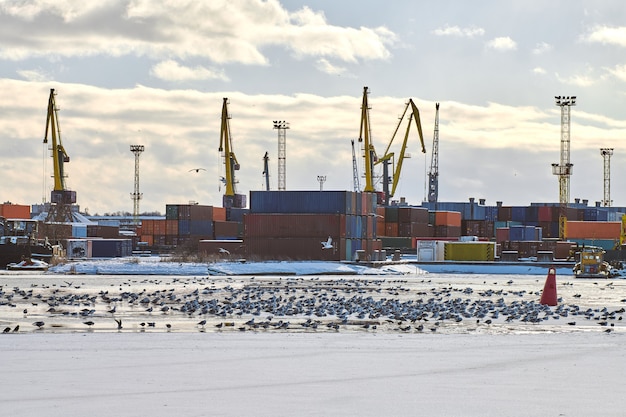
x: 355, y: 170
x: 433, y: 175
x: 388, y: 156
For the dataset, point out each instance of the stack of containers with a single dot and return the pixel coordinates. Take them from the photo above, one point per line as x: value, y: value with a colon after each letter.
x: 293, y: 224
x: 400, y: 225
x: 603, y: 234
x: 14, y: 211
x: 447, y: 223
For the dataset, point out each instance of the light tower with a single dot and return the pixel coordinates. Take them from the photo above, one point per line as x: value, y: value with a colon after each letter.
x: 606, y: 154
x: 321, y: 179
x: 282, y: 127
x: 564, y: 169
x: 136, y: 195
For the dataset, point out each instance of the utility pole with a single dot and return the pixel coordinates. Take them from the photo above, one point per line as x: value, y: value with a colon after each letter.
x: 136, y: 195
x: 606, y: 154
x: 282, y: 127
x: 564, y: 169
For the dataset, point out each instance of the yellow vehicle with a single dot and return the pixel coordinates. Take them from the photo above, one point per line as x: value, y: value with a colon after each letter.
x: 591, y: 263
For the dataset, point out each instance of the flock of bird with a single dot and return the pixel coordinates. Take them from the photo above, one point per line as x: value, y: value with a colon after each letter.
x: 295, y: 304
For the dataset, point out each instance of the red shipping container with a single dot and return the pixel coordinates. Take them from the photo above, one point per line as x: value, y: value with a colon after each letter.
x: 219, y: 214
x: 171, y: 227
x: 502, y: 234
x: 294, y: 225
x: 148, y: 239
x: 380, y: 227
x: 593, y: 230
x: 391, y: 229
x: 448, y: 218
x: 224, y: 229
x: 295, y: 249
x: 14, y: 211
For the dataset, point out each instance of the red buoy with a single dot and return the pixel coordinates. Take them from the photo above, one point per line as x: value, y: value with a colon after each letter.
x: 548, y: 297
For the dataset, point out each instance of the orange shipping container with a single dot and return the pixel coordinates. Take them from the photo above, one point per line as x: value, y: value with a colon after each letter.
x: 14, y: 211
x: 593, y: 230
x: 448, y: 218
x: 159, y: 227
x: 219, y: 214
x: 147, y: 227
x: 380, y: 227
x: 391, y: 229
x: 149, y: 239
x: 171, y: 227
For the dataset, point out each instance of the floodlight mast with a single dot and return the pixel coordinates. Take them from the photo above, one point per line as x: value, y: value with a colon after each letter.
x: 282, y: 127
x: 565, y: 168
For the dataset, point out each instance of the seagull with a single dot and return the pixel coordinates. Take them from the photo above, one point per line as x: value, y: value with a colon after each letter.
x: 224, y: 251
x: 39, y: 324
x: 328, y: 244
x: 119, y: 323
x: 197, y: 169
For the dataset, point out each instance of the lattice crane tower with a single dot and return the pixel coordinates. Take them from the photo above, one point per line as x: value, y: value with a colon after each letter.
x: 606, y: 154
x: 136, y: 195
x: 564, y: 169
x: 282, y: 127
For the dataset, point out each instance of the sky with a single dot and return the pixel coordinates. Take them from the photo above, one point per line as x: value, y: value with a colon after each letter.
x: 155, y: 73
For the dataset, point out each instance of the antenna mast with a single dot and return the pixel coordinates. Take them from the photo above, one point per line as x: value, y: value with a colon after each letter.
x: 282, y: 127
x: 606, y: 154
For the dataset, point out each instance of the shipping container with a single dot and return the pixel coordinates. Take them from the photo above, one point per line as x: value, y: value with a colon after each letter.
x: 76, y: 248
x: 149, y: 239
x: 593, y: 230
x: 469, y: 251
x: 14, y: 211
x: 171, y: 211
x: 171, y: 227
x: 505, y: 213
x: 111, y: 248
x: 213, y: 247
x: 448, y: 218
x: 392, y: 214
x: 227, y: 230
x: 396, y: 243
x: 314, y: 202
x: 79, y: 230
x: 201, y: 228
x: 391, y: 229
x: 606, y: 244
x: 298, y: 225
x: 108, y: 232
x: 234, y: 214
x: 296, y: 249
x: 219, y: 214
x: 502, y: 234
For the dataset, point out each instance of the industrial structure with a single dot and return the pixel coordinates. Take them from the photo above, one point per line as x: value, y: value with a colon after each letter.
x: 356, y: 184
x: 369, y: 152
x: 230, y: 198
x: 606, y: 155
x: 61, y: 199
x: 564, y: 168
x: 433, y: 173
x: 282, y: 127
x: 136, y: 195
x: 266, y: 171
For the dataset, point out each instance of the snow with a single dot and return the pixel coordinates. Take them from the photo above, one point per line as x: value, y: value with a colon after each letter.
x: 564, y: 366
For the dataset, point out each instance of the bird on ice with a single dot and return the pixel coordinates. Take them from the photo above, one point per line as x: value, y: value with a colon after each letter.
x: 224, y: 251
x: 328, y: 244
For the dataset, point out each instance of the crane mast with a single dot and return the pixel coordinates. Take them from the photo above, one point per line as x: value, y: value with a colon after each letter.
x: 355, y: 171
x: 61, y: 199
x: 230, y: 198
x: 433, y: 175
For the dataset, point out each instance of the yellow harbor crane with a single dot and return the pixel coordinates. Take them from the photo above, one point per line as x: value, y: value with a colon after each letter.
x: 230, y: 198
x: 61, y: 199
x: 371, y: 159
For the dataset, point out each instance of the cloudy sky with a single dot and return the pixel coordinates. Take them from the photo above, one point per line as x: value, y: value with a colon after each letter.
x: 155, y: 73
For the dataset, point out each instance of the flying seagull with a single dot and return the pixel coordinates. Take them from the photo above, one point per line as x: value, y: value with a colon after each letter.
x: 328, y: 244
x: 224, y: 251
x: 197, y: 169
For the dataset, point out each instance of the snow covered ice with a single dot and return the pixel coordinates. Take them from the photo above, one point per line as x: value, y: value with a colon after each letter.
x: 161, y: 344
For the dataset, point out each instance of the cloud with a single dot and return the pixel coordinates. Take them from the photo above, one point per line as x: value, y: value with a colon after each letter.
x: 580, y: 80
x: 34, y: 75
x: 606, y: 35
x: 539, y: 70
x: 172, y: 71
x: 542, y: 48
x: 221, y: 31
x: 325, y: 66
x: 468, y: 32
x: 502, y: 44
x: 619, y: 72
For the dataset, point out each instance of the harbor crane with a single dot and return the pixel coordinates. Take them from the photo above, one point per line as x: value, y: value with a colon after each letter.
x: 230, y: 198
x: 433, y: 174
x: 371, y: 159
x: 61, y: 199
x: 355, y: 170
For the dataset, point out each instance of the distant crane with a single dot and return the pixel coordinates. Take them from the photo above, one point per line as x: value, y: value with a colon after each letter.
x: 266, y: 171
x: 136, y: 195
x: 230, y: 198
x: 365, y: 137
x: 606, y: 154
x: 61, y: 199
x: 433, y: 174
x: 564, y: 169
x: 355, y: 170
